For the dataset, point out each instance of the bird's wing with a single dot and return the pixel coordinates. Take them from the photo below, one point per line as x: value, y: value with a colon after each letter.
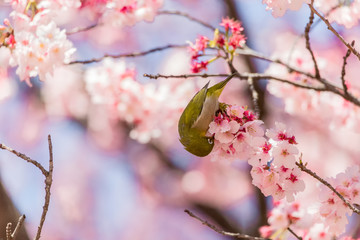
x: 195, y: 106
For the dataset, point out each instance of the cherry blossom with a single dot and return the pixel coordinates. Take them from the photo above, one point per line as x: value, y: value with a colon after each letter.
x: 238, y: 135
x: 346, y: 13
x: 235, y: 136
x: 7, y: 86
x: 332, y: 111
x: 332, y: 209
x: 148, y: 109
x: 123, y: 13
x: 227, y: 43
x: 40, y: 46
x: 279, y: 7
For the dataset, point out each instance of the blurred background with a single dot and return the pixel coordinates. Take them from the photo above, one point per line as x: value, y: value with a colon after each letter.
x: 120, y: 178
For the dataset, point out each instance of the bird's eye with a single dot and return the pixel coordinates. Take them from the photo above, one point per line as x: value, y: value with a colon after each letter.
x: 210, y: 140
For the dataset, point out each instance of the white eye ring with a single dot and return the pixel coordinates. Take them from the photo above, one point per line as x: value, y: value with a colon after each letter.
x: 210, y: 141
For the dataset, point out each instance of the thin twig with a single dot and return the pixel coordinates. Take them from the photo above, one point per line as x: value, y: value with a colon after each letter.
x: 79, y: 29
x: 330, y: 27
x: 343, y: 71
x: 8, y: 231
x: 314, y: 175
x: 205, y: 75
x: 229, y: 234
x: 307, y: 39
x: 48, y: 180
x: 328, y: 85
x: 48, y: 183
x: 293, y: 233
x: 313, y: 26
x: 26, y: 158
x: 250, y: 52
x: 191, y: 18
x: 18, y: 226
x: 134, y: 54
x: 243, y: 76
x: 12, y: 235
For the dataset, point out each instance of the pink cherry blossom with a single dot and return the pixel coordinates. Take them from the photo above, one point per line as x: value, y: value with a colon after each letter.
x: 318, y: 231
x: 279, y: 7
x: 122, y: 13
x: 40, y: 46
x: 241, y: 137
x: 235, y: 135
x: 347, y: 13
x: 332, y: 208
x: 223, y: 43
x: 231, y: 24
x: 284, y: 154
x: 148, y: 109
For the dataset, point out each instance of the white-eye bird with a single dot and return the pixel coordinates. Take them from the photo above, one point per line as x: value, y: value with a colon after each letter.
x: 198, y: 114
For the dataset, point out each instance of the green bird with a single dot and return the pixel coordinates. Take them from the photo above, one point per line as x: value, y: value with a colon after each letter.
x: 198, y: 114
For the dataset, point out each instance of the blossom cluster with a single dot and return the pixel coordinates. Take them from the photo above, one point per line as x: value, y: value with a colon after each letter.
x: 284, y: 215
x: 299, y: 219
x: 123, y: 12
x: 227, y: 43
x: 238, y: 135
x: 279, y: 7
x: 331, y: 110
x: 148, y: 109
x: 346, y: 13
x: 39, y: 46
x: 325, y: 219
x: 332, y: 209
x: 274, y: 171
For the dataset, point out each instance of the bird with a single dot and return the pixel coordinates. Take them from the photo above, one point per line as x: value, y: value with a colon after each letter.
x: 196, y: 117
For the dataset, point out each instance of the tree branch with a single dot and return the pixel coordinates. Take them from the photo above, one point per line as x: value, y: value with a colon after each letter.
x: 129, y: 55
x: 314, y: 175
x: 343, y: 71
x: 293, y: 233
x: 48, y: 183
x: 82, y: 29
x: 12, y: 235
x: 229, y: 234
x: 48, y: 180
x: 328, y: 85
x: 242, y: 76
x: 26, y: 158
x: 330, y: 27
x: 307, y: 39
x: 191, y: 18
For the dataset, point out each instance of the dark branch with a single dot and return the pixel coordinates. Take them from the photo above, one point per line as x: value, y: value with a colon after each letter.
x: 12, y: 235
x: 79, y: 29
x: 48, y: 180
x: 330, y: 27
x: 229, y: 234
x: 26, y: 158
x: 243, y: 76
x: 205, y: 75
x: 307, y: 38
x: 293, y: 233
x: 314, y: 175
x: 129, y: 55
x: 191, y: 18
x: 343, y: 71
x: 48, y: 183
x: 328, y: 85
